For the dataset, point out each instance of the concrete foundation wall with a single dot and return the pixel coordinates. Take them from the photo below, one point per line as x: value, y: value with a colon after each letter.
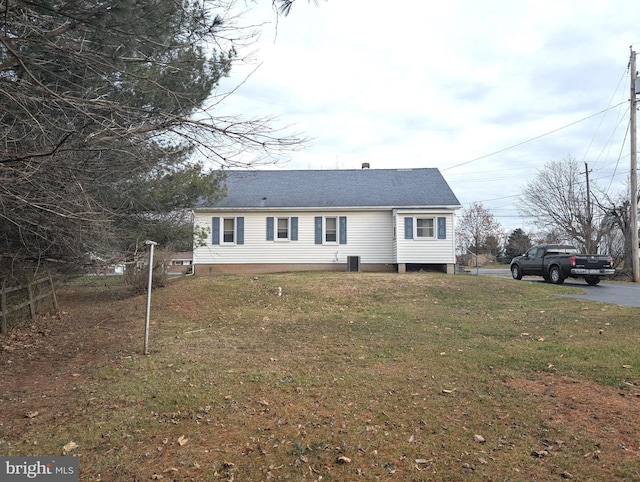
x: 211, y: 269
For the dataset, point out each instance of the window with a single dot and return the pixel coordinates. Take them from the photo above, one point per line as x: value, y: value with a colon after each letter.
x: 331, y: 230
x: 283, y: 228
x: 229, y: 230
x: 425, y: 228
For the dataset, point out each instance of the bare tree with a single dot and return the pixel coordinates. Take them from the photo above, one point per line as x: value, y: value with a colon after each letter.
x: 558, y: 200
x: 618, y: 239
x: 475, y: 226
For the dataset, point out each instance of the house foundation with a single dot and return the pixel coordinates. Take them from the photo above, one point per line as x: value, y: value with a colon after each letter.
x: 258, y: 268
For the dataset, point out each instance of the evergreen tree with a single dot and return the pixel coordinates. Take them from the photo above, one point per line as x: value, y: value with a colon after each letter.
x: 106, y: 123
x: 517, y: 243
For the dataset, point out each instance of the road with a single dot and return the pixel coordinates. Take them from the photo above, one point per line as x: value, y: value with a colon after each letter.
x: 623, y: 294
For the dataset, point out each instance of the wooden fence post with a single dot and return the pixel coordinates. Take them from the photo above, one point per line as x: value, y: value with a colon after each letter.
x: 3, y: 308
x: 32, y: 302
x: 53, y: 293
x: 34, y: 293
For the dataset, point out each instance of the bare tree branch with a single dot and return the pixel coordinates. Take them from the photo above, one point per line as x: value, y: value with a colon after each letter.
x: 557, y: 199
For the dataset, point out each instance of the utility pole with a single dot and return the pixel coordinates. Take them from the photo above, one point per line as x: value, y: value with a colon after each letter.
x: 590, y: 248
x: 635, y: 262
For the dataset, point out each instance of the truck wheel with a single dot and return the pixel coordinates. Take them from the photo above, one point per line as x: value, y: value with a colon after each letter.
x: 592, y: 280
x: 516, y: 272
x: 555, y: 275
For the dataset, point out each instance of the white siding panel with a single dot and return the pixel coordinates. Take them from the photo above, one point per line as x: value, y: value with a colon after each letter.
x: 425, y: 251
x: 369, y: 235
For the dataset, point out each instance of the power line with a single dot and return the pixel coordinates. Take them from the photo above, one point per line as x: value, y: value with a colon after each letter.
x: 622, y: 79
x: 619, y: 157
x: 532, y: 139
x: 468, y: 173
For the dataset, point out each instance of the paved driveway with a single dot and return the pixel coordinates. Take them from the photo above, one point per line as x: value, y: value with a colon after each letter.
x: 624, y: 294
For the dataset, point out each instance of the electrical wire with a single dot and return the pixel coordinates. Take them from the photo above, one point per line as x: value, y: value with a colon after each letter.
x: 622, y: 78
x: 531, y: 139
x: 619, y: 157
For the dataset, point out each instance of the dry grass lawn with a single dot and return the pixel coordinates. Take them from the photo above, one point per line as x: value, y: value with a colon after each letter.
x: 345, y: 376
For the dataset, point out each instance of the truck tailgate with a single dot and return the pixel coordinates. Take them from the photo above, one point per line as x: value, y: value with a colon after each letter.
x: 592, y: 262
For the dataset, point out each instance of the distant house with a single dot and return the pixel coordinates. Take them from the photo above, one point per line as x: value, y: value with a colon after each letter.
x: 481, y: 259
x: 363, y: 219
x: 180, y: 263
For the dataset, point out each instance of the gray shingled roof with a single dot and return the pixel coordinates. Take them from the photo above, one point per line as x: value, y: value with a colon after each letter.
x: 336, y: 188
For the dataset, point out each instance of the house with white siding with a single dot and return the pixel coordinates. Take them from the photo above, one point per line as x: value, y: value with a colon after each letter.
x: 348, y: 220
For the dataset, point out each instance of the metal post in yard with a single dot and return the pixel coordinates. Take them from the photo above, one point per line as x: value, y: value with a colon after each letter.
x: 146, y: 323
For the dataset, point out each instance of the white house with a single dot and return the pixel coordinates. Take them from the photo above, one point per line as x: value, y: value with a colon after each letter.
x: 361, y: 219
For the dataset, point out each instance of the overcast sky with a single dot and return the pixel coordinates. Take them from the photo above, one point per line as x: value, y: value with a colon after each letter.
x: 487, y: 92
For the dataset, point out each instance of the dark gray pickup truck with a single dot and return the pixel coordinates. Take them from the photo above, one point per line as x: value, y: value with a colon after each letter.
x: 556, y: 262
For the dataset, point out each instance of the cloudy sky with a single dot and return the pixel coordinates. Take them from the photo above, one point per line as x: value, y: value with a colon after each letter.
x: 487, y: 92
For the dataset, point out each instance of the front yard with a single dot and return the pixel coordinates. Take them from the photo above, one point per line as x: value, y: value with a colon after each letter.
x: 344, y: 376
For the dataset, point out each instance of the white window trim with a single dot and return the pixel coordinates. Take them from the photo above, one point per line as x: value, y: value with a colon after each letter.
x: 275, y: 229
x: 222, y: 231
x: 434, y: 227
x: 324, y: 230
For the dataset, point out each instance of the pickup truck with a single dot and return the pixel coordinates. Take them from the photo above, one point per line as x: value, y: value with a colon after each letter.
x: 556, y: 262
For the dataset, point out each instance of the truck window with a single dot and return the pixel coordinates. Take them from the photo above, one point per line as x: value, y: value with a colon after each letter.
x: 563, y: 251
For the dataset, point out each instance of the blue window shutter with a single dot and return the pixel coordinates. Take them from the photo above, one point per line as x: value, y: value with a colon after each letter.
x: 240, y: 229
x: 215, y: 230
x: 270, y: 228
x: 408, y: 228
x: 318, y: 229
x: 294, y: 228
x: 442, y: 228
x: 343, y: 230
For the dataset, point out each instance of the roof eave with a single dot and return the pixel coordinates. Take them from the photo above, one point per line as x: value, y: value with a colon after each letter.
x: 447, y: 207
